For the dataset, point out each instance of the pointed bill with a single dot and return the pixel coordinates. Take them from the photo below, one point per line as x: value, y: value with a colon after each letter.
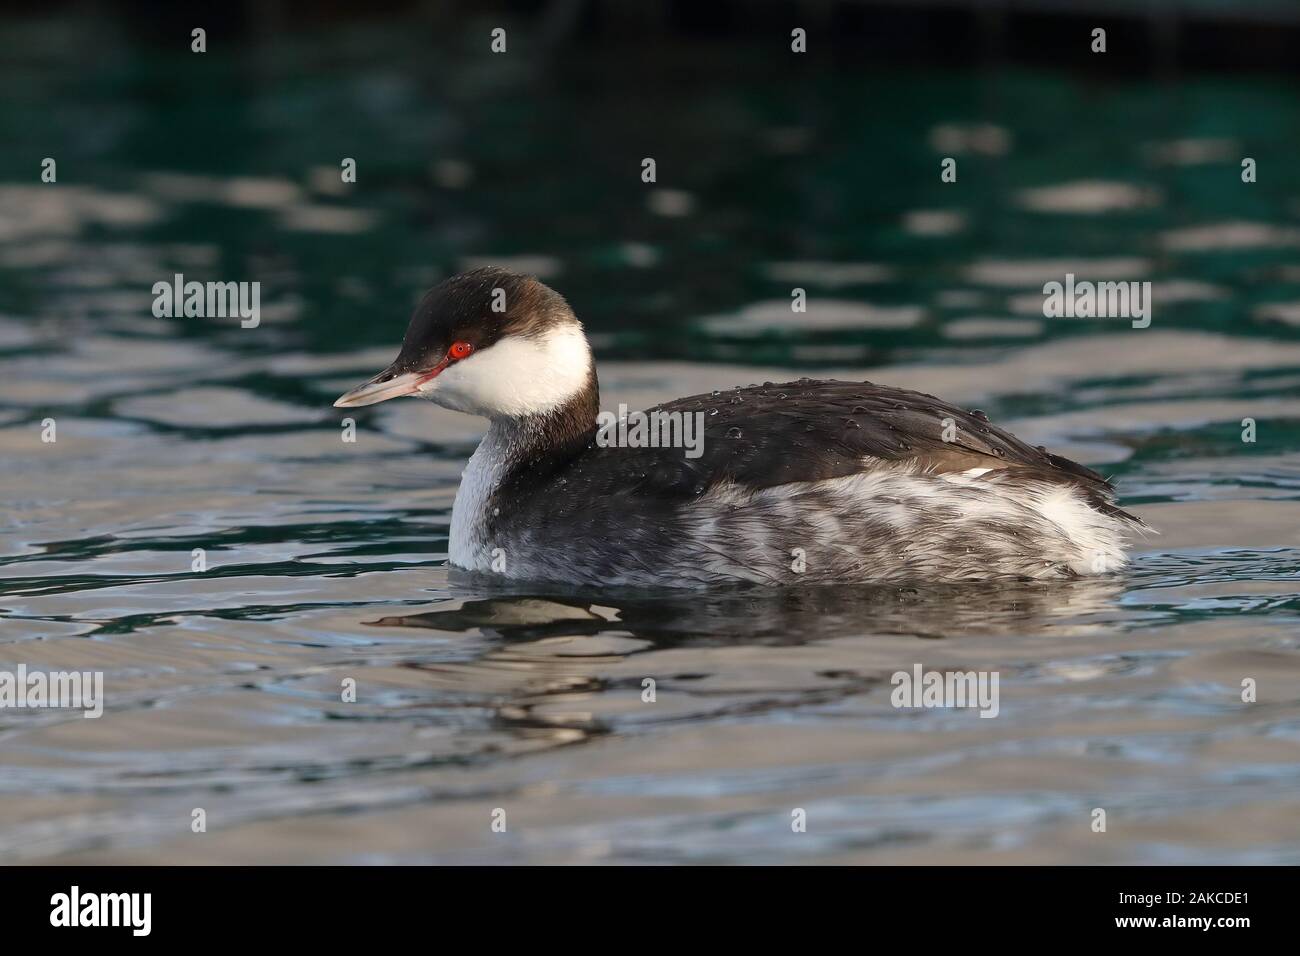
x: 387, y: 384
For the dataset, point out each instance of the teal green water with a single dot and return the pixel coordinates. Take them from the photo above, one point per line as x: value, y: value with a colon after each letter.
x: 325, y: 559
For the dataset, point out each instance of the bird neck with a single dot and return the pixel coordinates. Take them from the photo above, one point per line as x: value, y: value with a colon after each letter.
x: 531, y: 446
x: 517, y: 456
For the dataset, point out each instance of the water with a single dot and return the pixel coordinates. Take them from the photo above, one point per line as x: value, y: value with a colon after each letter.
x: 326, y: 559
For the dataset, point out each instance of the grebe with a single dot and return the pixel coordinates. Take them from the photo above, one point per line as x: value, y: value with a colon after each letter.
x: 807, y: 482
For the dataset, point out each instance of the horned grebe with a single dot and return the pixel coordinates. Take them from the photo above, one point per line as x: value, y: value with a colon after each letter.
x: 807, y: 482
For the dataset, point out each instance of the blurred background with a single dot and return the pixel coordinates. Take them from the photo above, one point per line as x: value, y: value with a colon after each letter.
x: 231, y: 158
x: 775, y: 170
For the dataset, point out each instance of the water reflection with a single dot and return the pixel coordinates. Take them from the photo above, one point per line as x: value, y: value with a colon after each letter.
x: 559, y: 669
x: 788, y: 616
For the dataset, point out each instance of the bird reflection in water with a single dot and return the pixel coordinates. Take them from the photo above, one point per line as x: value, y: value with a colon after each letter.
x: 551, y: 668
x: 785, y: 616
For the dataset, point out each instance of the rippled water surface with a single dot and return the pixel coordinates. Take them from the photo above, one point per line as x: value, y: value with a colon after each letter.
x: 326, y: 558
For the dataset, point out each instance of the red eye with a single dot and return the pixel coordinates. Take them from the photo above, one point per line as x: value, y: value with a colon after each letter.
x: 460, y: 350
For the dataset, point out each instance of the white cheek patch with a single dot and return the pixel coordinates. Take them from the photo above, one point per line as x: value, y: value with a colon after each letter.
x: 518, y: 376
